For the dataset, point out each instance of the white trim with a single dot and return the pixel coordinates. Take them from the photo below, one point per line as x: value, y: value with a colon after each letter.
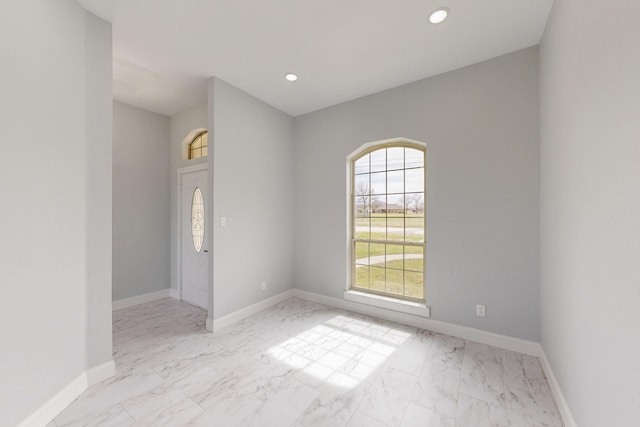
x: 182, y: 171
x: 102, y: 372
x: 502, y: 341
x: 54, y: 406
x: 190, y: 169
x: 140, y: 299
x: 561, y: 402
x: 394, y: 304
x: 184, y: 145
x: 245, y: 312
x: 174, y: 293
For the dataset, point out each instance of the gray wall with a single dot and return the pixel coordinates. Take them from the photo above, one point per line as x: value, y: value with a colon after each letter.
x: 253, y: 187
x: 98, y: 173
x: 480, y: 125
x: 49, y: 139
x: 590, y: 207
x: 140, y: 201
x: 179, y: 127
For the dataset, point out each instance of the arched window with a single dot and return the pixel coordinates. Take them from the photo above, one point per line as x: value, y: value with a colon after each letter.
x: 199, y: 146
x: 388, y: 220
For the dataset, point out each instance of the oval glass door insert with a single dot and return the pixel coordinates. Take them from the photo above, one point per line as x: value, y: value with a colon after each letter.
x: 197, y: 219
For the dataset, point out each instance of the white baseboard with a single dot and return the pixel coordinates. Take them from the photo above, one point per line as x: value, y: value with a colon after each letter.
x: 503, y: 341
x: 47, y: 412
x: 100, y: 373
x: 140, y: 299
x: 227, y: 320
x: 561, y: 402
x: 174, y: 293
x: 54, y: 406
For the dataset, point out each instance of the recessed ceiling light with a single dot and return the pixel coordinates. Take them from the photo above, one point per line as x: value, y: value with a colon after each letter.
x: 291, y: 77
x: 439, y: 15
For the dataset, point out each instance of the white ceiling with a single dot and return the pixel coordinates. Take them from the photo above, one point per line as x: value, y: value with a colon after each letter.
x: 164, y: 50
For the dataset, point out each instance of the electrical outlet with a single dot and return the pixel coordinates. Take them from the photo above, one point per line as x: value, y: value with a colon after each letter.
x: 264, y: 285
x: 223, y: 221
x: 480, y: 311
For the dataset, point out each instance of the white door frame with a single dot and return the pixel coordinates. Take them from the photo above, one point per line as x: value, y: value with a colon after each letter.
x: 182, y: 171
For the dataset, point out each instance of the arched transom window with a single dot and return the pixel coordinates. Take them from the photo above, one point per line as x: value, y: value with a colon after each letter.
x: 388, y: 220
x: 199, y: 146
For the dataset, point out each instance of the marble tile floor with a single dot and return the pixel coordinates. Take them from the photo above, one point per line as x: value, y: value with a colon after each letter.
x: 301, y: 364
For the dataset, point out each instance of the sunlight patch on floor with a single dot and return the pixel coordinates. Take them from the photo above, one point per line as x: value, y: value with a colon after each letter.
x: 343, y: 352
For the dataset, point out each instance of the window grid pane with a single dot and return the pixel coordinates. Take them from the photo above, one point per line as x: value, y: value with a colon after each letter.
x: 388, y: 213
x: 199, y: 146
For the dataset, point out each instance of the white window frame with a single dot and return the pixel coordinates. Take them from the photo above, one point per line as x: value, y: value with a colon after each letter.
x: 186, y: 143
x: 382, y: 301
x: 193, y: 140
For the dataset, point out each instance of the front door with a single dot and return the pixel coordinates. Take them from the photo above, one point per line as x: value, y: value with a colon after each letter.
x: 194, y: 245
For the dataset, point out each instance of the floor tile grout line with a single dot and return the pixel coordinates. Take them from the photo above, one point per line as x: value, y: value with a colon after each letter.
x: 424, y: 361
x: 128, y: 413
x: 410, y: 396
x: 464, y: 353
x: 504, y: 389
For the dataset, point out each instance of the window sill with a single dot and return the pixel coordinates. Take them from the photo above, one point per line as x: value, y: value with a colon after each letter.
x: 388, y: 303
